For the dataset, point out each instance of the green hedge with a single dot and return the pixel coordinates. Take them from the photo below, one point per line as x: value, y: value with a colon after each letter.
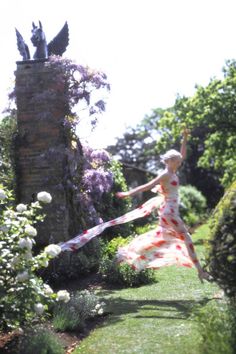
x: 222, y: 250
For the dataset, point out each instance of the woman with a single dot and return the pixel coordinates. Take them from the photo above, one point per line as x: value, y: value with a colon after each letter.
x: 171, y: 242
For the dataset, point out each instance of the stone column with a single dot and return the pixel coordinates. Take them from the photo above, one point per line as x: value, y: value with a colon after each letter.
x: 42, y: 145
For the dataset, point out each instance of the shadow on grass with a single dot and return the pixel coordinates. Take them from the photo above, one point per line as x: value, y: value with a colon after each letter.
x: 153, y: 309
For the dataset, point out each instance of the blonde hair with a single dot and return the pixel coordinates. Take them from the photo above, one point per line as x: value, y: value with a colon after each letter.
x: 169, y: 154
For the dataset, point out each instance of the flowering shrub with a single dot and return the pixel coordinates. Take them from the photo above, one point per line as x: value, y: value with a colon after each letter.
x: 97, y: 179
x: 23, y: 295
x: 73, y: 314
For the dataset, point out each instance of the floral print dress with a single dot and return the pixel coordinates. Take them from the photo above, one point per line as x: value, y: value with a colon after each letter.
x: 169, y: 243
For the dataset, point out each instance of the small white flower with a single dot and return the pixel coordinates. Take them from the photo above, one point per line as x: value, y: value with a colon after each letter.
x: 39, y: 308
x: 26, y: 243
x: 44, y: 197
x: 53, y: 250
x: 9, y: 213
x: 22, y: 276
x: 21, y: 207
x: 2, y: 194
x: 100, y: 311
x: 30, y: 230
x: 97, y: 306
x: 47, y: 289
x: 63, y: 295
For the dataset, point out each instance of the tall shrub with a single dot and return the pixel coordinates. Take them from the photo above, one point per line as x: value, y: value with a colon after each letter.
x: 222, y: 248
x: 192, y: 204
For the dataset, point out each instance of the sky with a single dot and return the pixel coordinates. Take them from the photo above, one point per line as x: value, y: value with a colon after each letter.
x: 151, y: 50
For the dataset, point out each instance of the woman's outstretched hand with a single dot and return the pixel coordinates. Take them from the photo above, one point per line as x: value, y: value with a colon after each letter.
x: 122, y: 195
x: 185, y: 132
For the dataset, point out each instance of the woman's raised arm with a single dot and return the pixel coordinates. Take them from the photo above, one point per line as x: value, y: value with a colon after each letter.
x: 143, y: 188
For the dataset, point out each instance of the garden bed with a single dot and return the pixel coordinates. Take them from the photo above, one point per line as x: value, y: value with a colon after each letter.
x: 9, y: 340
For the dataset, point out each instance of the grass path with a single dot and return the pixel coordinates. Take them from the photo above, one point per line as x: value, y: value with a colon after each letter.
x: 155, y: 318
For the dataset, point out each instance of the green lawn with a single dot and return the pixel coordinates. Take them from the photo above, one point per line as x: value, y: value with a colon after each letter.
x: 155, y: 318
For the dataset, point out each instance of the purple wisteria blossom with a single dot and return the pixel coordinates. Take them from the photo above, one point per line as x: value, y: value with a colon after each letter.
x: 81, y: 83
x: 97, y: 179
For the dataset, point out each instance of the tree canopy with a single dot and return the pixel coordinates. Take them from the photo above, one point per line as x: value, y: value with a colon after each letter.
x: 210, y: 115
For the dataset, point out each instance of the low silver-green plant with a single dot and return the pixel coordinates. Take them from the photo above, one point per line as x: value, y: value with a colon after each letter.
x: 73, y: 314
x: 40, y: 341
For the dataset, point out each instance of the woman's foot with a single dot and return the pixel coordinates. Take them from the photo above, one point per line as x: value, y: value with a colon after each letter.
x: 204, y: 276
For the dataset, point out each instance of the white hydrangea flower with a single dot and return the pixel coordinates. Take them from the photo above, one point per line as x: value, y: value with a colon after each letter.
x: 22, y: 276
x: 47, y: 289
x: 53, y: 250
x: 44, y: 197
x: 26, y: 243
x: 9, y: 213
x: 100, y: 311
x: 97, y: 307
x: 39, y: 308
x: 30, y: 230
x: 2, y: 194
x: 63, y: 295
x: 21, y: 207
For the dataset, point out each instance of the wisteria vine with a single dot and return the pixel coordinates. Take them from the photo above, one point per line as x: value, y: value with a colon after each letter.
x: 81, y: 84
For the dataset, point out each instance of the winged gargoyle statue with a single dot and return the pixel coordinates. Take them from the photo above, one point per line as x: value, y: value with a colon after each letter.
x: 43, y: 50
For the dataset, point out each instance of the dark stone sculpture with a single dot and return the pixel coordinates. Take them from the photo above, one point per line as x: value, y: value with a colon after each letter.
x: 43, y: 50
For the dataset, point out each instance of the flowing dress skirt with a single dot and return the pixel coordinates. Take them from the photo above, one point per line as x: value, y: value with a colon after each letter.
x: 169, y: 243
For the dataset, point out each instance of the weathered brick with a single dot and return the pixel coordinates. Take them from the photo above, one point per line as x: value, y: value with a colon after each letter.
x: 40, y: 111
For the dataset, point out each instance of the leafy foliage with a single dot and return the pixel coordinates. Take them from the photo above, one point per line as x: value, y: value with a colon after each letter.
x: 138, y: 145
x: 192, y: 205
x: 217, y: 326
x: 7, y: 131
x: 222, y: 250
x: 210, y: 114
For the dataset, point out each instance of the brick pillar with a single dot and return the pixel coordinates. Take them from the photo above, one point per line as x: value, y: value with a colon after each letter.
x: 41, y: 160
